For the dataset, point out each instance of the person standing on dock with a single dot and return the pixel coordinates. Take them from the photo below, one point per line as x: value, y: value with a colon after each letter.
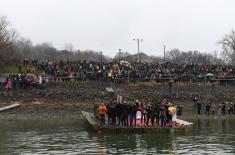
x: 143, y: 112
x: 102, y: 112
x: 174, y: 115
x: 162, y: 115
x: 132, y: 113
x: 113, y: 113
x: 157, y: 112
x: 136, y: 105
x: 119, y: 113
x: 148, y: 113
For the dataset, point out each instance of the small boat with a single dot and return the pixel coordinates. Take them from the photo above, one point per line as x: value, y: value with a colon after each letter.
x: 181, y: 125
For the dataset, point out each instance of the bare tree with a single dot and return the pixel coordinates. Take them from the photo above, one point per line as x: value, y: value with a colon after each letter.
x: 8, y: 53
x: 174, y: 55
x: 228, y: 47
x: 4, y: 33
x: 69, y: 47
x: 25, y: 47
x: 121, y: 56
x: 45, y: 51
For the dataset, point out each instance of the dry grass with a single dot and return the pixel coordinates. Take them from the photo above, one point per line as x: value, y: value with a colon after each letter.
x: 144, y: 84
x: 192, y: 85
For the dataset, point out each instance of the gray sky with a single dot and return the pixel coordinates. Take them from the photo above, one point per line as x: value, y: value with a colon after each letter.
x: 107, y: 25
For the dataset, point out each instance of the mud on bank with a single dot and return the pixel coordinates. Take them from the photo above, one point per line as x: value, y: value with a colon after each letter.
x: 68, y: 99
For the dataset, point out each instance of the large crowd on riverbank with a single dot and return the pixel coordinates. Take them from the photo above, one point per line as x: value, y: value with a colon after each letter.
x: 37, y: 72
x: 112, y: 71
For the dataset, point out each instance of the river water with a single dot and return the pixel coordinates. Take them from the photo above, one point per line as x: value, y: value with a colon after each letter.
x: 214, y: 136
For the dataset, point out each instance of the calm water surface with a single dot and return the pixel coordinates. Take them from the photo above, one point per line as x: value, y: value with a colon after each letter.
x: 214, y: 136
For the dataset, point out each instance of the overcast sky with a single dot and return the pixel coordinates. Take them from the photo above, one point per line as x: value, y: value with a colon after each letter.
x: 107, y: 25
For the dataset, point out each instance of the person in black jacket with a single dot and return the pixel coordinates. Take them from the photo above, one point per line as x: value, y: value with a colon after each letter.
x: 113, y: 113
x: 136, y: 106
x: 132, y: 113
x: 118, y: 111
x: 150, y: 114
x: 157, y: 112
x: 125, y: 114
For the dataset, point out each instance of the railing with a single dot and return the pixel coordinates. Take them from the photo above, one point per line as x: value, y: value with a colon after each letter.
x: 131, y: 79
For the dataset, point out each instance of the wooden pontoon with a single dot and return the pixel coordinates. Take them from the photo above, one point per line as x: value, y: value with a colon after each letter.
x: 181, y: 126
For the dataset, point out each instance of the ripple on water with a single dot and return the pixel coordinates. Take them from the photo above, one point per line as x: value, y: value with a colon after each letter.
x: 207, y: 144
x: 70, y: 140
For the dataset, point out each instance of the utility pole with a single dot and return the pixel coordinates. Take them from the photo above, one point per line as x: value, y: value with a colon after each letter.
x: 101, y: 55
x: 164, y: 53
x: 138, y: 44
x: 119, y: 55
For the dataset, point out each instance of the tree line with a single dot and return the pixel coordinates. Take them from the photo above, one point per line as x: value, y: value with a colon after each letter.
x: 13, y: 49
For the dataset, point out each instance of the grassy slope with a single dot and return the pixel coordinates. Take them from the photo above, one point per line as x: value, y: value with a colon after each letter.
x: 13, y: 69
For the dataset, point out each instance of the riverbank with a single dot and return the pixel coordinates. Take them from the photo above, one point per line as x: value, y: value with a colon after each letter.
x: 67, y: 100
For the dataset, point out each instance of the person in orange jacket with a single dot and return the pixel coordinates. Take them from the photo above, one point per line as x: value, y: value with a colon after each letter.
x: 102, y: 112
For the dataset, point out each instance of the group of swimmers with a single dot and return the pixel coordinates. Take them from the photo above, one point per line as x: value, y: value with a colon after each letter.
x: 125, y: 113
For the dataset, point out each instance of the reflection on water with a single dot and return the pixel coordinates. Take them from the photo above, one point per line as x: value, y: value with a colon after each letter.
x: 214, y: 136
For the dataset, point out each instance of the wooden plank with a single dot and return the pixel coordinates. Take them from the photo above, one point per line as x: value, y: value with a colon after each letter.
x: 9, y: 107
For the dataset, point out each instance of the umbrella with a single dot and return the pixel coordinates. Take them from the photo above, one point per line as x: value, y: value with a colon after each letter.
x: 210, y: 74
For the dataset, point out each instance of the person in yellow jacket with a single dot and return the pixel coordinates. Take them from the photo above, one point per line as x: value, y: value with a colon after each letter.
x: 174, y: 116
x: 102, y: 111
x: 172, y: 112
x: 110, y: 76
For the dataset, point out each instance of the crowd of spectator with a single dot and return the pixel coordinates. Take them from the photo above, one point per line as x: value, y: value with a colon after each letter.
x: 24, y: 81
x: 211, y: 107
x: 33, y: 73
x: 114, y: 71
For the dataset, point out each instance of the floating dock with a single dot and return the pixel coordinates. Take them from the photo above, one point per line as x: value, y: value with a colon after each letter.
x: 181, y: 126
